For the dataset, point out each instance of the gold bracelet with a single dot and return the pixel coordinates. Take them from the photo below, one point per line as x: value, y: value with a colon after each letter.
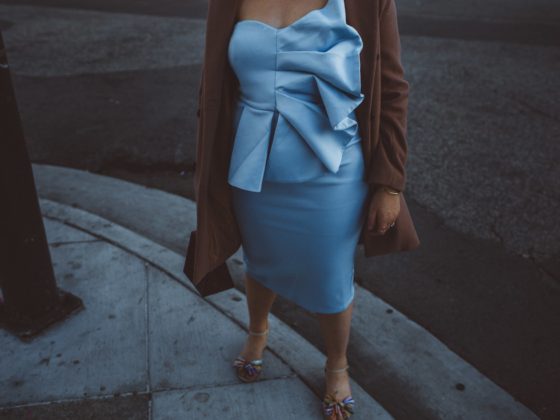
x: 390, y: 191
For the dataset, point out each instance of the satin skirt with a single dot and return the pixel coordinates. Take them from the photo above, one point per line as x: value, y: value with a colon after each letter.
x: 299, y: 238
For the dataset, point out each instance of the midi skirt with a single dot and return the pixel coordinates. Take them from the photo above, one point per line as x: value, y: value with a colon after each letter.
x: 299, y: 238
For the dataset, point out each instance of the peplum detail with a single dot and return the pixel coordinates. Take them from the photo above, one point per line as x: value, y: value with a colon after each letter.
x: 299, y: 88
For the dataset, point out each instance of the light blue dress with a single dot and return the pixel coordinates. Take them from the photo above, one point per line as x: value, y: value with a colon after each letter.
x: 296, y: 168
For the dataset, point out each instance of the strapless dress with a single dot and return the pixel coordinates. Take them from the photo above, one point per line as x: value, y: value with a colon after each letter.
x: 296, y: 168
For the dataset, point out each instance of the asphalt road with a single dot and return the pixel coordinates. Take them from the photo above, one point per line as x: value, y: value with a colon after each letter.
x: 115, y: 94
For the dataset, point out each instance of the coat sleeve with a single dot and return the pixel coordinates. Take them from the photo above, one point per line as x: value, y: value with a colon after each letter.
x: 388, y: 164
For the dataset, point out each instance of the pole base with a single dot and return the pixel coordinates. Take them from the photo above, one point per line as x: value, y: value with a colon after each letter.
x: 27, y: 328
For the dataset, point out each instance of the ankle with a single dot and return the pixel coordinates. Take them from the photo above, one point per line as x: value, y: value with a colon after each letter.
x: 260, y: 327
x: 336, y: 363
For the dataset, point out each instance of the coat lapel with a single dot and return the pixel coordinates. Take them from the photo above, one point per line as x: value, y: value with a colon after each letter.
x: 212, y: 241
x: 360, y: 14
x: 221, y: 18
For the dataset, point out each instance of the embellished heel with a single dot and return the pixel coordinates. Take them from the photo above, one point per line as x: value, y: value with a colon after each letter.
x: 337, y: 410
x: 249, y: 370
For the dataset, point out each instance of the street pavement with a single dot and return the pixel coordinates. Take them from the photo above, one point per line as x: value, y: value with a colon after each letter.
x: 146, y: 345
x: 111, y: 88
x: 400, y: 370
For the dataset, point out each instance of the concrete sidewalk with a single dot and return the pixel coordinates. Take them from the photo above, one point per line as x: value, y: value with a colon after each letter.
x: 147, y: 346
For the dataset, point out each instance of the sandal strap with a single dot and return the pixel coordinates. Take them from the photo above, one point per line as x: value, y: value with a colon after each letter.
x: 336, y: 370
x: 258, y: 333
x: 245, y: 361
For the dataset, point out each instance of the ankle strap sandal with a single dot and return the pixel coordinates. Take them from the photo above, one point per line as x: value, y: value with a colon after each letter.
x: 249, y: 370
x: 333, y: 409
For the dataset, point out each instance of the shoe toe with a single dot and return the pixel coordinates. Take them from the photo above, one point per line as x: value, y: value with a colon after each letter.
x: 333, y: 409
x: 248, y: 370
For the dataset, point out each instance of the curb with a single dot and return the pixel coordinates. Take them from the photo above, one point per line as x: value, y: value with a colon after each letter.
x: 285, y: 343
x: 410, y: 371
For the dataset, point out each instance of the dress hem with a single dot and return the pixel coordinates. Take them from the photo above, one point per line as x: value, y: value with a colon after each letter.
x: 301, y: 304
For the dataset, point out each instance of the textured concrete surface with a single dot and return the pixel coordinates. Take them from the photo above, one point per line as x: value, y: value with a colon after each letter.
x: 153, y: 335
x: 409, y: 369
x: 184, y: 356
x: 483, y: 137
x: 130, y: 407
x: 484, y: 10
x: 482, y: 185
x: 239, y: 401
x: 73, y: 42
x: 99, y: 351
x: 145, y: 346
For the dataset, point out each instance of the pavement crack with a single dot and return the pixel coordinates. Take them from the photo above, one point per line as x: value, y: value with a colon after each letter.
x: 494, y: 231
x: 532, y: 108
x: 530, y: 255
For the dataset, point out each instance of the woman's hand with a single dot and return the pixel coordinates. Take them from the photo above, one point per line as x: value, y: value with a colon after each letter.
x: 384, y: 209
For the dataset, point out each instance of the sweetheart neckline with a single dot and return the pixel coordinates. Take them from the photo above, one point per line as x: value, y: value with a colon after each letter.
x: 274, y: 28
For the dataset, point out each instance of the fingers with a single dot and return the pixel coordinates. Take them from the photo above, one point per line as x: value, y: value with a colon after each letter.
x: 382, y: 214
x: 383, y: 222
x: 378, y: 221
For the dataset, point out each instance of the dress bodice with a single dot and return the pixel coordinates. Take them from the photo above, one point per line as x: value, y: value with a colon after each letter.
x: 299, y: 87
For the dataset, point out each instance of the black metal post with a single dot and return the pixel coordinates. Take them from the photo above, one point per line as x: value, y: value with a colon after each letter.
x: 31, y: 300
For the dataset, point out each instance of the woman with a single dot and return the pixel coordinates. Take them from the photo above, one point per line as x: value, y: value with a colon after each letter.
x: 300, y: 156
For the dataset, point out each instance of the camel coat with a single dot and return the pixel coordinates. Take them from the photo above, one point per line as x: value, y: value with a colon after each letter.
x: 382, y: 119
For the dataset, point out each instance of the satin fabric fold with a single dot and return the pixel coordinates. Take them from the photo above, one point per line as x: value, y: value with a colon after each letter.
x: 299, y: 87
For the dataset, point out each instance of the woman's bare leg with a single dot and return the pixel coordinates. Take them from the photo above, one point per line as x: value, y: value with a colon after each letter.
x: 259, y: 302
x: 335, y: 329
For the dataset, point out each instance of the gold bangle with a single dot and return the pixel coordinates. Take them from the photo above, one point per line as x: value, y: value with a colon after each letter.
x: 391, y: 191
